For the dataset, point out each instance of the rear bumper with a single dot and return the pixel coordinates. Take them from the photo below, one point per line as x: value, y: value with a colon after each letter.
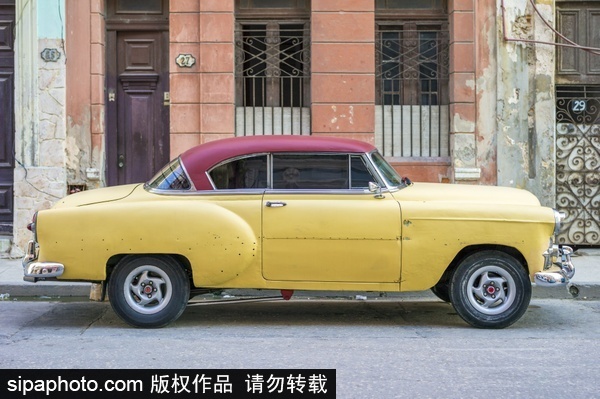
x: 34, y: 271
x: 558, y: 268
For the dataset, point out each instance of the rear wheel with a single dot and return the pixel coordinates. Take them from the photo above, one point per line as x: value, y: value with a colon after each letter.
x: 148, y: 291
x: 490, y: 289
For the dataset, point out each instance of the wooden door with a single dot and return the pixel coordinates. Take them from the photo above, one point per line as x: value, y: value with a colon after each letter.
x: 138, y: 117
x: 7, y: 126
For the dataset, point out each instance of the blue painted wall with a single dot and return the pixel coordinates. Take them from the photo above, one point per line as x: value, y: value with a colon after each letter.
x: 51, y: 19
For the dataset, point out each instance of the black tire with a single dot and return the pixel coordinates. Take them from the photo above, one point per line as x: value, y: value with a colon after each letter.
x: 148, y: 291
x: 490, y: 289
x: 442, y: 291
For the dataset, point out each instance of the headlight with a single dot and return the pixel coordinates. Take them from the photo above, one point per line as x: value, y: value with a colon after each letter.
x: 558, y: 218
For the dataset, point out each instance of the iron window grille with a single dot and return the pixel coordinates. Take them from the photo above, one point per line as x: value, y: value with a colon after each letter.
x: 411, y: 113
x: 272, y: 78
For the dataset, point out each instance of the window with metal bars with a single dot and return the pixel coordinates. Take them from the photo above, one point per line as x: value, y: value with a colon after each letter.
x: 412, y: 118
x: 272, y: 77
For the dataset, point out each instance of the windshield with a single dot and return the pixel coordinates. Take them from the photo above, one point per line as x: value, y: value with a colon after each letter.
x: 389, y: 174
x: 171, y: 177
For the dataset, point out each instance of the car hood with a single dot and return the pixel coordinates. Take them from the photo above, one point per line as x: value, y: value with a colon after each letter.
x: 466, y: 194
x: 96, y: 196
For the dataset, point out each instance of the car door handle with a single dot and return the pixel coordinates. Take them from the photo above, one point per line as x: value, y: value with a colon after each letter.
x: 275, y: 204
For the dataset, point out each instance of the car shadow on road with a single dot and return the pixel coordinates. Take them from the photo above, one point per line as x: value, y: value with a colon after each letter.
x: 324, y: 313
x: 321, y: 313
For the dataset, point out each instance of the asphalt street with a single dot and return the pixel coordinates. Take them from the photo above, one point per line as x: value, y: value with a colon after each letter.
x: 380, y: 348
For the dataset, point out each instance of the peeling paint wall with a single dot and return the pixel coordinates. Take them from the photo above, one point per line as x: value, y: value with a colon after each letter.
x: 59, y: 119
x: 525, y: 100
x: 40, y: 99
x: 486, y: 84
x: 78, y: 136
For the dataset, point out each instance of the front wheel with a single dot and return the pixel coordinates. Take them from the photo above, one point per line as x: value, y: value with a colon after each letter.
x: 442, y: 291
x: 148, y: 291
x: 490, y: 289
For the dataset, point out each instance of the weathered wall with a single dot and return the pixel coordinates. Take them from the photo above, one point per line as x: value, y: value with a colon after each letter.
x: 78, y: 107
x: 486, y: 84
x: 525, y: 105
x: 85, y: 47
x: 40, y: 87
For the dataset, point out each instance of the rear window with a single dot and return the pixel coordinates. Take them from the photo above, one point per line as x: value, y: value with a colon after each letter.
x: 171, y: 177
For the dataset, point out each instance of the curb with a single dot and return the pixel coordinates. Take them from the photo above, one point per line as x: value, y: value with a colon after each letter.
x: 31, y: 290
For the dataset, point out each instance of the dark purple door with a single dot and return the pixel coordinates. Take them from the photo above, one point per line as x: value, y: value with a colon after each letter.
x: 138, y: 118
x: 7, y: 125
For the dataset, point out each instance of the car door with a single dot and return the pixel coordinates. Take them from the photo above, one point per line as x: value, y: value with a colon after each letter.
x: 321, y: 223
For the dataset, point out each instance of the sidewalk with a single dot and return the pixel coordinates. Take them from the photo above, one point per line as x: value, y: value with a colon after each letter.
x: 586, y: 261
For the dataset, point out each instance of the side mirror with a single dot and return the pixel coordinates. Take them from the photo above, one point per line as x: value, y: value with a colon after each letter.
x: 376, y: 189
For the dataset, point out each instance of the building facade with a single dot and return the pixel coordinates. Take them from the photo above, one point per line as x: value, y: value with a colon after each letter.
x: 461, y: 91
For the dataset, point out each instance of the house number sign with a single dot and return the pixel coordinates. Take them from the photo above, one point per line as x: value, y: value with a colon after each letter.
x: 50, y: 54
x: 578, y: 105
x: 185, y: 60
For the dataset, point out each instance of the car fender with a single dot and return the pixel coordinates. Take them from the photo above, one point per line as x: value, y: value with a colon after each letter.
x: 219, y: 243
x: 434, y: 234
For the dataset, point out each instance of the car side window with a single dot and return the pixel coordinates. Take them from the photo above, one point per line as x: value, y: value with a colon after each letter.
x: 244, y: 173
x: 361, y: 176
x: 310, y: 171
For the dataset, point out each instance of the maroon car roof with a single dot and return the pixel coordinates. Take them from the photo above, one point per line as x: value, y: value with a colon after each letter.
x: 201, y: 158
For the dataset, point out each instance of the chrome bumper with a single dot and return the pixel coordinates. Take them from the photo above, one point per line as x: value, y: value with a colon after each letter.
x: 36, y: 271
x: 555, y: 257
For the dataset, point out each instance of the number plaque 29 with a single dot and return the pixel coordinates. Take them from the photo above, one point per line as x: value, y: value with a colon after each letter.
x: 578, y: 105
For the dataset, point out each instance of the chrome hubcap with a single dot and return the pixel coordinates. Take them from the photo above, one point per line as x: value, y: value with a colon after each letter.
x: 491, y: 290
x: 147, y: 289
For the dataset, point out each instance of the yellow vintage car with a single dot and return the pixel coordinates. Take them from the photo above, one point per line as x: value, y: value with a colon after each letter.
x: 298, y: 213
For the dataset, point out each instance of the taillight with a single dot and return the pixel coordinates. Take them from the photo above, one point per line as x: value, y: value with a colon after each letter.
x: 31, y: 226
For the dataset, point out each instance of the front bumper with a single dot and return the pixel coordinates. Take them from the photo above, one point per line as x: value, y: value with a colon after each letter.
x: 558, y: 268
x: 35, y: 271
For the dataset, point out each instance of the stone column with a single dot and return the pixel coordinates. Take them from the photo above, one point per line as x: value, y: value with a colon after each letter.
x: 184, y: 74
x: 217, y: 97
x: 463, y: 110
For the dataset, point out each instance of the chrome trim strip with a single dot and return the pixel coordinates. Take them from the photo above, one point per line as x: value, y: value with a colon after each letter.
x: 239, y: 191
x: 261, y: 191
x: 187, y: 176
x: 30, y: 253
x: 354, y: 191
x: 383, y: 181
x: 558, y: 218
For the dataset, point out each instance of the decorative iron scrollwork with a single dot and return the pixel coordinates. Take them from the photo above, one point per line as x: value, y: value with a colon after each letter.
x: 578, y: 164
